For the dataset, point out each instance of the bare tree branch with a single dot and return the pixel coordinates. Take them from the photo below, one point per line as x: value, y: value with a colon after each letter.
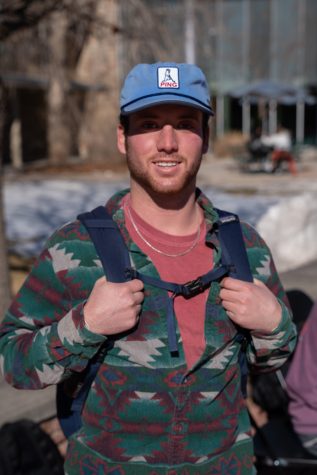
x: 16, y: 15
x: 20, y: 14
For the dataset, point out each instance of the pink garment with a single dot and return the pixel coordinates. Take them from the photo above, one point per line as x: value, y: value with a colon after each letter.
x: 190, y: 313
x: 302, y: 379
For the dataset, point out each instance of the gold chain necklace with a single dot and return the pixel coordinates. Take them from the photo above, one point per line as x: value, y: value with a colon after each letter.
x: 137, y: 230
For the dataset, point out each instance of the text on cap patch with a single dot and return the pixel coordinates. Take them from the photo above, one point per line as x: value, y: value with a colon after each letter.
x: 168, y: 78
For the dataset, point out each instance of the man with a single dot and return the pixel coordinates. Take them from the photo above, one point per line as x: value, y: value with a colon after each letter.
x: 151, y: 410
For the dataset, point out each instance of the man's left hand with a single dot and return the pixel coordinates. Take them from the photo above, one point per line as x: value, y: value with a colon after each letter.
x: 250, y: 305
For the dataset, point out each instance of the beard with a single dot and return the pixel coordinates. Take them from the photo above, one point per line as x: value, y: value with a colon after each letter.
x: 160, y: 185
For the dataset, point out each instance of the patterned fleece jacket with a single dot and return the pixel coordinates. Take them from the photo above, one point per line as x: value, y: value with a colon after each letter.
x: 146, y: 412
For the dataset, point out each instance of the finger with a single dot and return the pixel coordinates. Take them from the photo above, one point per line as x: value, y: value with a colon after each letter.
x: 231, y: 314
x: 62, y: 447
x: 236, y: 284
x: 234, y: 296
x: 259, y: 283
x: 138, y: 297
x: 230, y: 283
x: 101, y: 281
x: 225, y: 294
x: 136, y: 285
x: 230, y: 306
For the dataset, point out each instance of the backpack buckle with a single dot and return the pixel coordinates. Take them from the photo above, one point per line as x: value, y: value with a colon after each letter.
x: 131, y: 273
x: 192, y: 287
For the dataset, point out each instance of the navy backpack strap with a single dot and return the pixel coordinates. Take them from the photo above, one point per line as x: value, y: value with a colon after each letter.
x: 108, y: 242
x: 115, y: 260
x: 234, y: 253
x: 70, y: 405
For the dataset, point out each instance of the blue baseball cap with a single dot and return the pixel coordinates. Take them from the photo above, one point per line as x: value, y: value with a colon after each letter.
x: 148, y: 85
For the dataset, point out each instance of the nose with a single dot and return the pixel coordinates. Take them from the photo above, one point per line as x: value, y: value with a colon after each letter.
x: 167, y: 140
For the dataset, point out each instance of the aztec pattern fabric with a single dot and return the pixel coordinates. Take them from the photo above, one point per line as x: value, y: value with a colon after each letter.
x: 146, y: 412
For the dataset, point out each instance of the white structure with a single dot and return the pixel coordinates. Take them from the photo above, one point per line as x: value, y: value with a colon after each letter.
x: 290, y: 230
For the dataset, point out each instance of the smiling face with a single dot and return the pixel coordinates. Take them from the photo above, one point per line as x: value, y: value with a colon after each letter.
x: 164, y: 146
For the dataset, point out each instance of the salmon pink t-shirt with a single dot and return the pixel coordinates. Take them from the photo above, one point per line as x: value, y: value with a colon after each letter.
x: 190, y: 313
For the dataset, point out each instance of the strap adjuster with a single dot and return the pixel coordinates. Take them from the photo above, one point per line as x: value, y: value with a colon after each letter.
x: 192, y: 287
x: 131, y: 273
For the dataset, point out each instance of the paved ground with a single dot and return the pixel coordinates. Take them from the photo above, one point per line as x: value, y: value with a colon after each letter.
x: 303, y: 278
x: 223, y: 174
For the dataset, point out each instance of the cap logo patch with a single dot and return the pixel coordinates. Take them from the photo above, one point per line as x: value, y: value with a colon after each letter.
x: 168, y: 78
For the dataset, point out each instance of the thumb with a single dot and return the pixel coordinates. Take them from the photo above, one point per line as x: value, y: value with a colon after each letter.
x: 258, y: 283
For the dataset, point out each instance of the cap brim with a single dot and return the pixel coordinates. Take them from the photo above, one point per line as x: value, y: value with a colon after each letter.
x: 147, y: 102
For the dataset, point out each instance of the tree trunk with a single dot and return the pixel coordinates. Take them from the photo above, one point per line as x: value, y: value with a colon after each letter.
x: 98, y: 65
x: 5, y: 287
x: 58, y: 126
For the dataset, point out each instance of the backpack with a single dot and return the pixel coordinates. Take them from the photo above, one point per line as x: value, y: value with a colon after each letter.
x: 113, y: 253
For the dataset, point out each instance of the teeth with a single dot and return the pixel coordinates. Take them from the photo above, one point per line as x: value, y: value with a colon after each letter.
x: 166, y: 164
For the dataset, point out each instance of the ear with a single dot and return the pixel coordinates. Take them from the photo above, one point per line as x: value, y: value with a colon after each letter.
x: 206, y: 140
x: 121, y: 140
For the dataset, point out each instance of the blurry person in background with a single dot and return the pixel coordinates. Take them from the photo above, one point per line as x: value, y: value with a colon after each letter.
x: 302, y: 385
x: 281, y: 143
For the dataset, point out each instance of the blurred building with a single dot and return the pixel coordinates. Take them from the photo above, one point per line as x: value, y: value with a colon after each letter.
x: 238, y: 43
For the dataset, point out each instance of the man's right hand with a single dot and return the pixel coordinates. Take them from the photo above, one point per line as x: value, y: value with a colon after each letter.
x: 113, y: 308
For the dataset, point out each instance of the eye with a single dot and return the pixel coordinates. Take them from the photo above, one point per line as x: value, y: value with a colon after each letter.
x: 187, y: 125
x: 149, y: 125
